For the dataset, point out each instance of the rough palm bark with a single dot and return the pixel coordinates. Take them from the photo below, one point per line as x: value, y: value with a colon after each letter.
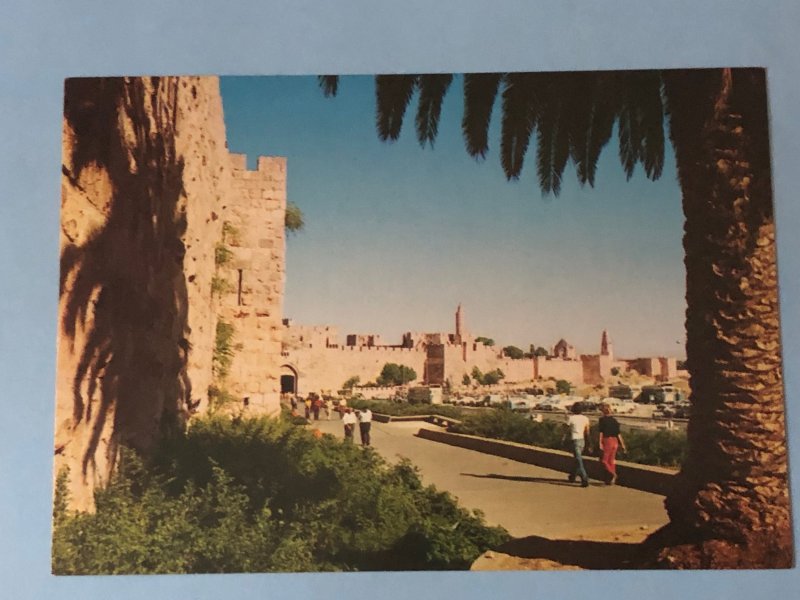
x: 730, y: 507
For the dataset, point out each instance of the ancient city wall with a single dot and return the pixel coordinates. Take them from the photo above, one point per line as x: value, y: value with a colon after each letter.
x: 208, y: 183
x: 251, y: 297
x: 328, y: 368
x: 596, y: 368
x: 144, y: 165
x: 558, y: 368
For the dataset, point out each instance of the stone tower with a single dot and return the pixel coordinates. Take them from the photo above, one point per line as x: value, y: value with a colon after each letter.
x: 606, y: 347
x: 460, y: 330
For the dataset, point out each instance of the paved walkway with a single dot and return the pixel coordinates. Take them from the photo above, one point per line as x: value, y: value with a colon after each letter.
x: 525, y: 499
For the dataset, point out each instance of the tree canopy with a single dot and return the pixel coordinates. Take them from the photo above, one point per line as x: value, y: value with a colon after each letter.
x: 394, y: 374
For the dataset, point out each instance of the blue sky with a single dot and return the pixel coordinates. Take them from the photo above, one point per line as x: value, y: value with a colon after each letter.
x: 397, y: 235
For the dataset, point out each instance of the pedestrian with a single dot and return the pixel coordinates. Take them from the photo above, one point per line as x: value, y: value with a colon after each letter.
x: 293, y: 403
x: 342, y: 407
x: 578, y: 430
x: 610, y: 441
x: 328, y: 408
x: 308, y: 407
x: 315, y: 406
x: 349, y: 420
x: 364, y: 425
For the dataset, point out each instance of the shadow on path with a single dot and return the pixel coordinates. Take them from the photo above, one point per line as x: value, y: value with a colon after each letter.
x: 548, y: 480
x: 579, y: 553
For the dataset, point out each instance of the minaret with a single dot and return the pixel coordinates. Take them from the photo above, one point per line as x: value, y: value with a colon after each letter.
x: 606, y: 347
x: 460, y: 332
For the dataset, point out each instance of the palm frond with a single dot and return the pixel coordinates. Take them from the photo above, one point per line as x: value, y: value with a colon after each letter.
x: 480, y: 91
x: 519, y: 119
x: 578, y: 120
x: 651, y: 152
x: 432, y: 89
x: 641, y: 122
x: 329, y: 84
x: 605, y: 107
x: 392, y: 95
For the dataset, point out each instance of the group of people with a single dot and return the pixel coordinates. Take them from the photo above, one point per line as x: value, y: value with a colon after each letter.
x: 363, y: 418
x: 609, y: 442
x: 313, y: 405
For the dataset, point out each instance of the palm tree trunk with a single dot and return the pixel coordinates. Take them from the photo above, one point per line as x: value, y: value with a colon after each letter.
x: 730, y: 507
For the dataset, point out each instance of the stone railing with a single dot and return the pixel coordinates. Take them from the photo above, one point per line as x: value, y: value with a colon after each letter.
x: 656, y: 480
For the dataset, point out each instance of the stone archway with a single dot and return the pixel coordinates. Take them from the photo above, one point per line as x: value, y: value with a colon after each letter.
x: 289, y: 379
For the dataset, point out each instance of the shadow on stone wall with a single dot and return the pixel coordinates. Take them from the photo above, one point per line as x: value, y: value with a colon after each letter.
x: 125, y: 283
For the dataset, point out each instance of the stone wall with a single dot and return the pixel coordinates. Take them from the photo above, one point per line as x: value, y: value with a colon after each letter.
x: 558, y: 368
x: 147, y: 184
x: 320, y: 368
x: 252, y: 298
x: 208, y: 182
x: 144, y: 166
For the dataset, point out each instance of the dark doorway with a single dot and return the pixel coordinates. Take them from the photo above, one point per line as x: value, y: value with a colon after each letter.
x: 288, y: 384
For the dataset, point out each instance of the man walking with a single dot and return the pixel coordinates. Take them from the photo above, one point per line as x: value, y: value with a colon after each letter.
x: 364, y: 425
x: 349, y: 421
x: 578, y: 425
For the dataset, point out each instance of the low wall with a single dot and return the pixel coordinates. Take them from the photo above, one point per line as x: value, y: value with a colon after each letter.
x: 656, y: 480
x: 432, y: 419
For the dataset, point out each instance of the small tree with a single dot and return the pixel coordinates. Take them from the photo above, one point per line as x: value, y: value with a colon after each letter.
x: 563, y: 386
x: 394, y: 374
x: 485, y: 341
x: 466, y: 379
x: 493, y: 377
x: 294, y: 220
x: 513, y: 352
x: 351, y: 383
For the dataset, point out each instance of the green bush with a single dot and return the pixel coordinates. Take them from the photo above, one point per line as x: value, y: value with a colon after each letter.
x: 660, y: 448
x: 490, y: 378
x: 351, y: 382
x: 394, y: 374
x: 294, y: 220
x: 222, y: 255
x: 403, y: 409
x: 252, y: 495
x: 503, y: 424
x: 563, y: 386
x: 223, y: 349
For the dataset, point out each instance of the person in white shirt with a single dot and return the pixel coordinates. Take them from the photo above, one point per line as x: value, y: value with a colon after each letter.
x: 578, y: 425
x: 364, y: 425
x: 349, y: 420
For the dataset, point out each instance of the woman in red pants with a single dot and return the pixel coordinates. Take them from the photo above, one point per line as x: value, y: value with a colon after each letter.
x: 610, y: 440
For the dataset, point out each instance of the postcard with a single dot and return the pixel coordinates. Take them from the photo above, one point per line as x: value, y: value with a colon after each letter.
x: 404, y: 322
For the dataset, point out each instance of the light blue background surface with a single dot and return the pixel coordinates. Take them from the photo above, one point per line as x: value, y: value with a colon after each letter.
x: 43, y: 42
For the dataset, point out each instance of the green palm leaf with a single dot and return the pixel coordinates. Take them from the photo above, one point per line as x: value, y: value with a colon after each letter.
x: 519, y: 118
x: 329, y: 84
x: 432, y: 89
x: 392, y: 94
x: 480, y: 91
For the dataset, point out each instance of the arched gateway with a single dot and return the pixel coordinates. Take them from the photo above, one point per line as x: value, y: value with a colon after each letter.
x: 288, y: 379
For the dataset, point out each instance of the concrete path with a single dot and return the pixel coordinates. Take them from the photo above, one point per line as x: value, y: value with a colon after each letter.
x: 525, y: 499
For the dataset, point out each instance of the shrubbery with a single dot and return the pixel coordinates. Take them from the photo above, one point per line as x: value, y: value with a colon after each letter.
x: 394, y: 374
x: 404, y: 409
x: 662, y: 448
x: 251, y: 495
x: 503, y: 424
